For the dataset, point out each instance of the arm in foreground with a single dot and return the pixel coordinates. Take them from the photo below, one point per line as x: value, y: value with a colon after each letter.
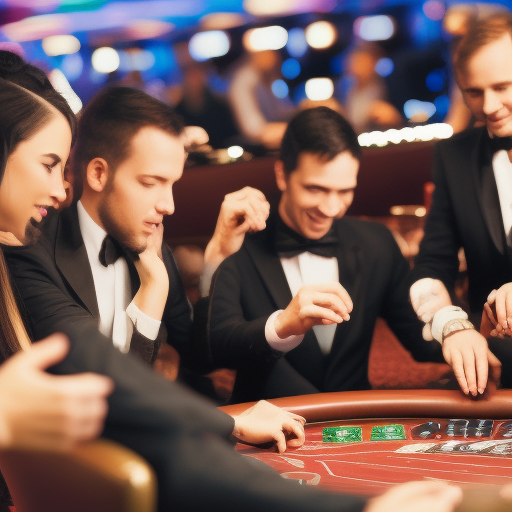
x: 42, y: 410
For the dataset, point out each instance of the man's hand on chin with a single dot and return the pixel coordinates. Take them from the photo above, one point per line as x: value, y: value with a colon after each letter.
x: 264, y: 422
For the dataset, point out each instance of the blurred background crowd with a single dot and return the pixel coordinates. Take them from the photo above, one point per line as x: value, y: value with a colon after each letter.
x: 240, y: 68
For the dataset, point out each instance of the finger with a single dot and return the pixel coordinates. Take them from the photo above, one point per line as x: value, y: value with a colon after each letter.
x: 457, y: 365
x: 280, y: 439
x: 296, y: 417
x: 482, y: 368
x: 45, y: 353
x: 490, y: 314
x: 331, y: 301
x: 297, y: 429
x: 318, y: 314
x: 508, y: 310
x: 501, y: 309
x: 468, y: 357
x: 83, y: 386
x: 491, y: 297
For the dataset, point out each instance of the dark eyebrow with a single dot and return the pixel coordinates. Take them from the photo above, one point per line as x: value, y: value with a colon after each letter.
x: 56, y: 158
x: 161, y: 179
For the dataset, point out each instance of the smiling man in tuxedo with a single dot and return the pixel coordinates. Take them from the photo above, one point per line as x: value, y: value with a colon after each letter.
x: 471, y: 209
x: 294, y: 310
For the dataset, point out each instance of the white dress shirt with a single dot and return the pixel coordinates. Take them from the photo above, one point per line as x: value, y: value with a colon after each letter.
x: 302, y: 269
x: 118, y: 314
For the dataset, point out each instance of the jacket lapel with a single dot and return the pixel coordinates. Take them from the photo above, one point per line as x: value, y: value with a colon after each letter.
x: 487, y: 192
x: 72, y: 261
x: 349, y: 268
x: 262, y: 252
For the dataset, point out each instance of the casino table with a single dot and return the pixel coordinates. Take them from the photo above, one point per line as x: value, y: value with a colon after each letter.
x: 363, y: 442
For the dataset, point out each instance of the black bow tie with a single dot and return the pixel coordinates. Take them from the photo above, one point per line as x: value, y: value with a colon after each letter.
x: 110, y: 251
x: 288, y: 241
x: 499, y: 143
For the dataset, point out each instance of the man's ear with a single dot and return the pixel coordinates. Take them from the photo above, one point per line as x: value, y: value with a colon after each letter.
x: 280, y: 175
x: 97, y: 174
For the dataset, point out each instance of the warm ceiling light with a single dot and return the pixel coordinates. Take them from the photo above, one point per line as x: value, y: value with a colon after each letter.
x: 207, y: 45
x: 321, y: 34
x: 105, y: 60
x: 60, y: 45
x: 267, y: 38
x: 319, y: 89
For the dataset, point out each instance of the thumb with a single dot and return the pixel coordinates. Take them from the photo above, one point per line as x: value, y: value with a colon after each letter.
x: 47, y: 352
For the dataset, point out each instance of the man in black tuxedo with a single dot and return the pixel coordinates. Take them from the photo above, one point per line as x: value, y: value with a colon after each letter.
x: 471, y: 208
x: 294, y: 310
x: 102, y: 260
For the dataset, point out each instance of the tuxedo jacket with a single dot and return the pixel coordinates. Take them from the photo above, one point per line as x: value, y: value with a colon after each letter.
x: 53, y: 278
x: 465, y: 212
x: 250, y: 285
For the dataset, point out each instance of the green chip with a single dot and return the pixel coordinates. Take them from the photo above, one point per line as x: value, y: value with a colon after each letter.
x: 342, y: 435
x: 388, y: 433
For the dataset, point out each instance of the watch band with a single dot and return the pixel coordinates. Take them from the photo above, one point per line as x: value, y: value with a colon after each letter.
x: 456, y: 325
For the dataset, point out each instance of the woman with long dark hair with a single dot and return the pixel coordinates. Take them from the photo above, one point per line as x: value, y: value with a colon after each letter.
x: 36, y: 129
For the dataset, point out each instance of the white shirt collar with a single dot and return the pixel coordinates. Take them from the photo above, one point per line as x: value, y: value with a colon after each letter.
x: 92, y: 234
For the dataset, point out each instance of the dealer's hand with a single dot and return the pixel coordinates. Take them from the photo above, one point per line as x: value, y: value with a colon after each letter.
x: 314, y: 304
x: 265, y: 422
x: 417, y: 497
x: 471, y: 360
x: 499, y: 311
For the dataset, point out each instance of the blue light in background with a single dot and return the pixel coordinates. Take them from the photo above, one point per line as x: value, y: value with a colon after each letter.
x: 280, y: 89
x: 290, y: 68
x: 296, y: 45
x: 384, y: 66
x: 72, y: 66
x: 435, y: 80
x: 442, y: 104
x: 413, y: 107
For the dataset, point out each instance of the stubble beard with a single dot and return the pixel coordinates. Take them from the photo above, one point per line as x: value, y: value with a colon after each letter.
x: 107, y: 217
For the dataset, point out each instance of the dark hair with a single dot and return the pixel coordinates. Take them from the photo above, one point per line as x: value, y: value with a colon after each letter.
x: 25, y: 98
x: 320, y: 131
x: 109, y: 122
x: 480, y: 33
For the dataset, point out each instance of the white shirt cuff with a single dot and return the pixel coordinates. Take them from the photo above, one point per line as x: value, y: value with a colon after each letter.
x: 442, y: 317
x: 143, y: 323
x: 277, y: 343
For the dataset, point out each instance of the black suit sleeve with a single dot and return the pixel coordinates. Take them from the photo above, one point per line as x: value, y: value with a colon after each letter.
x: 186, y: 440
x: 233, y: 339
x: 438, y: 254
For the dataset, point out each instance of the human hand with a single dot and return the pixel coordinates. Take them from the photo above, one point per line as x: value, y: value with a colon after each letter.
x: 314, y: 304
x: 265, y: 422
x: 154, y: 280
x: 499, y: 311
x: 418, y: 496
x: 471, y: 360
x: 243, y: 211
x: 42, y: 410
